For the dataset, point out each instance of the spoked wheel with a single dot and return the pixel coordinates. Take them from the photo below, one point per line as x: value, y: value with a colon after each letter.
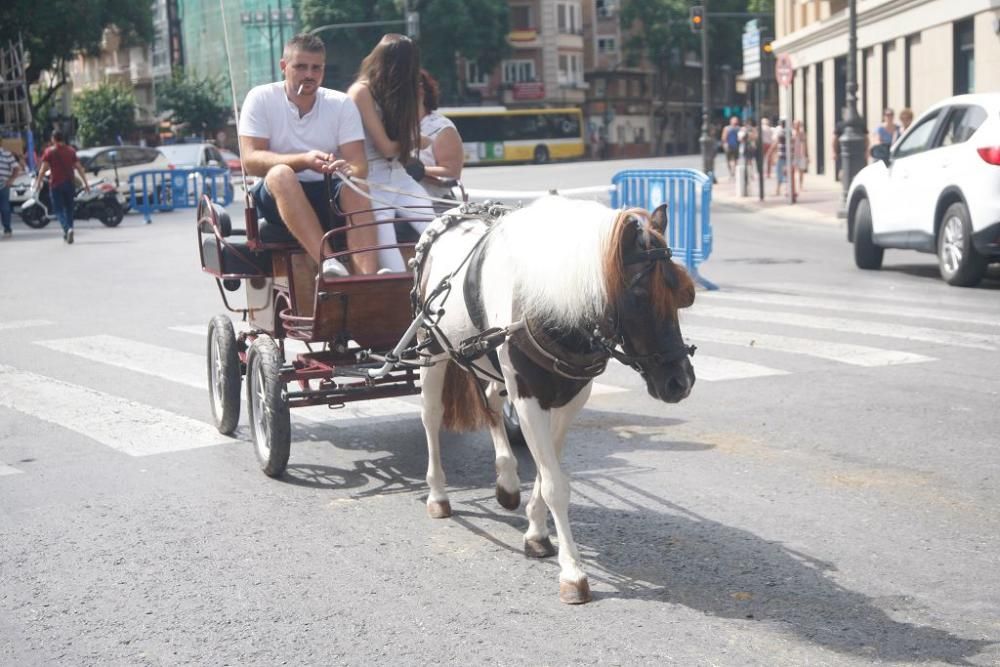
x: 512, y: 424
x: 267, y: 406
x: 958, y: 260
x: 224, y: 374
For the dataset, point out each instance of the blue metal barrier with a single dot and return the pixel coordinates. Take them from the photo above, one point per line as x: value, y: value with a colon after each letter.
x: 688, y: 196
x: 167, y: 189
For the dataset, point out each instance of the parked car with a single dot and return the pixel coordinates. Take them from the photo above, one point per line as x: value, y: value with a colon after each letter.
x: 189, y: 156
x: 936, y: 190
x: 111, y: 162
x: 232, y: 161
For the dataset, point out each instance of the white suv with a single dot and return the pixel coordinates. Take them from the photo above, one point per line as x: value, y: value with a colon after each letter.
x: 937, y: 190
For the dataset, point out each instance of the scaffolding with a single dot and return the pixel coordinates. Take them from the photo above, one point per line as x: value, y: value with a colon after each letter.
x: 15, y: 107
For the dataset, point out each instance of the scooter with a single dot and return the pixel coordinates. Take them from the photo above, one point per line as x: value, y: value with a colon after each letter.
x: 103, y: 202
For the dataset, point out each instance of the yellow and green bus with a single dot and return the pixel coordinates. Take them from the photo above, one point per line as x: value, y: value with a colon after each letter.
x: 493, y: 135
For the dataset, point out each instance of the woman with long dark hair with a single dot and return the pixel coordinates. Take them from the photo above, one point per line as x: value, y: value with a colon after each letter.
x: 387, y: 93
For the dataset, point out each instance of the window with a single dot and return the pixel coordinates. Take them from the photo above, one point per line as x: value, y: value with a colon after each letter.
x: 570, y: 72
x: 962, y: 124
x: 887, y: 49
x: 606, y: 45
x: 965, y: 58
x: 920, y: 137
x: 607, y: 8
x: 515, y: 71
x: 520, y: 17
x: 474, y: 76
x: 568, y: 17
x: 600, y: 87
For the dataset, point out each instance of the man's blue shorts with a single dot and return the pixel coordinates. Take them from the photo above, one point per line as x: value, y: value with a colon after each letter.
x: 319, y: 198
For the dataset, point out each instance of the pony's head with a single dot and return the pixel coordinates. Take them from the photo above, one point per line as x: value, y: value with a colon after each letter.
x: 645, y: 290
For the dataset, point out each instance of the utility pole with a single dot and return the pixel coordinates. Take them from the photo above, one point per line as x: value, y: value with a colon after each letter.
x: 706, y: 141
x: 852, y: 139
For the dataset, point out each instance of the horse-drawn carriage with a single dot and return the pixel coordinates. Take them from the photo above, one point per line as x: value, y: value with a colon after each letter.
x: 532, y: 303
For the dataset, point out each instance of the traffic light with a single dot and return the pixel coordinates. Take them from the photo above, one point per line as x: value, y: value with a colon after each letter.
x: 768, y: 47
x: 697, y: 18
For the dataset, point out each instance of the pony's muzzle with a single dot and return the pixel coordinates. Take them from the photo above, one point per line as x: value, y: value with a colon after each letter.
x: 671, y: 383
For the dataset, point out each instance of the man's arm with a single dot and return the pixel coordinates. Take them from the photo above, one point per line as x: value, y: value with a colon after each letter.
x: 43, y: 170
x: 258, y: 158
x: 351, y: 161
x: 83, y: 175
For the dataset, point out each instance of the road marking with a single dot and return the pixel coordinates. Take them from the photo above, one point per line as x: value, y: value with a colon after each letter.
x: 24, y: 324
x: 979, y: 341
x: 846, y: 353
x: 8, y: 470
x: 162, y: 362
x: 714, y: 369
x: 886, y: 293
x: 954, y: 316
x: 133, y: 428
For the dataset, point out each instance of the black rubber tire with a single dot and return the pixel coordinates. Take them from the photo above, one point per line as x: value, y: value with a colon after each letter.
x: 35, y: 217
x: 971, y: 266
x: 541, y: 155
x: 272, y: 430
x: 112, y: 214
x: 224, y: 374
x: 867, y: 255
x: 512, y: 425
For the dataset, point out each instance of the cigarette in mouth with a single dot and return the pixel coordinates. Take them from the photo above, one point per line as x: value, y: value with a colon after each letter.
x: 301, y: 86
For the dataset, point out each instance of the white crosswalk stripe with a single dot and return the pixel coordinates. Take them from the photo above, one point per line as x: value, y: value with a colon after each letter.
x: 853, y: 305
x: 127, y: 426
x: 846, y: 353
x: 23, y: 324
x: 715, y: 369
x: 8, y: 470
x: 172, y: 365
x: 980, y: 341
x: 947, y: 299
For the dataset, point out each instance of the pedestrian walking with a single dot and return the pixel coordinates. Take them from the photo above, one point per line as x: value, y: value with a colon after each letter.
x: 10, y: 168
x: 905, y: 119
x: 766, y: 140
x: 779, y: 150
x: 888, y: 131
x: 800, y: 152
x: 59, y: 161
x: 731, y: 141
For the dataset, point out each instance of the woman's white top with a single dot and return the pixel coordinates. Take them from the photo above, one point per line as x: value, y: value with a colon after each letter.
x: 430, y: 126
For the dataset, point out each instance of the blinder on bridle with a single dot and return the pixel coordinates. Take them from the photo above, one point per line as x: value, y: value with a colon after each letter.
x: 648, y: 257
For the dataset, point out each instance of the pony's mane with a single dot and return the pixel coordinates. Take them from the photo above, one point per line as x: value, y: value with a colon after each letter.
x: 557, y: 250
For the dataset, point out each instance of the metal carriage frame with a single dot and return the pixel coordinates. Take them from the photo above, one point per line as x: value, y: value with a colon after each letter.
x: 357, y: 329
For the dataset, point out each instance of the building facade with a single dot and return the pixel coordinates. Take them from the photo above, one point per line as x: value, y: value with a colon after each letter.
x: 911, y: 53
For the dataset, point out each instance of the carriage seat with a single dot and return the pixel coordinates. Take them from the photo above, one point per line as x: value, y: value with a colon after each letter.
x: 234, y: 257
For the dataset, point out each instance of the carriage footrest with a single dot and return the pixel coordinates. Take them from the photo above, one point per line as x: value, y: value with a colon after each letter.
x: 235, y: 259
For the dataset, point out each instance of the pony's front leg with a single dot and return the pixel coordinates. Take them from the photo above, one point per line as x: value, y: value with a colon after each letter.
x: 432, y: 414
x: 508, y: 489
x: 554, y: 490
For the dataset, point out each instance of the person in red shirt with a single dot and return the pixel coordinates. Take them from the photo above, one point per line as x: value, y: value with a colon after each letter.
x: 59, y: 161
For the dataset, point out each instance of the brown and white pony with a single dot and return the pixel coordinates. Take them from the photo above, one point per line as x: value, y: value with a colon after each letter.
x: 568, y: 284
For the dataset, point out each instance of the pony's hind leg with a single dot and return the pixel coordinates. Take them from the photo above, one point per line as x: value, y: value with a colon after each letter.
x: 508, y: 490
x: 432, y: 414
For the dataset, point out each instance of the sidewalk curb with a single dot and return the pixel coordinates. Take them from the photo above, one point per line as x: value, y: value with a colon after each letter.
x: 796, y: 212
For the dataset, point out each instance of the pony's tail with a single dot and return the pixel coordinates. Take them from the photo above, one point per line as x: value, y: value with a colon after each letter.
x: 465, y: 408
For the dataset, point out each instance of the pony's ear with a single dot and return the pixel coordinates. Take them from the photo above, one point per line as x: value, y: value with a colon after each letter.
x: 659, y: 219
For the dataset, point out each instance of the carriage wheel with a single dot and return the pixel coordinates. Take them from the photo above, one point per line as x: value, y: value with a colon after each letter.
x: 267, y: 406
x: 224, y: 374
x: 512, y: 424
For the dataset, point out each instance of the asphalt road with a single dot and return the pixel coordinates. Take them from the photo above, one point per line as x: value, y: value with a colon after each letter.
x: 827, y: 495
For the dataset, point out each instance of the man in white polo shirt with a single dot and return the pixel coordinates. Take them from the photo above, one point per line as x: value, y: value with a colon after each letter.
x: 292, y: 132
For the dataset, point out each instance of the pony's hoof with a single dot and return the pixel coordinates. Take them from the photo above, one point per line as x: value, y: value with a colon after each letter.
x: 574, y: 592
x: 509, y: 500
x: 539, y: 548
x: 439, y: 509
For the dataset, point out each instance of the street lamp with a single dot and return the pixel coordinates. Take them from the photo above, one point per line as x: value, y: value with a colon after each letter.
x: 706, y: 141
x: 852, y: 138
x: 268, y: 19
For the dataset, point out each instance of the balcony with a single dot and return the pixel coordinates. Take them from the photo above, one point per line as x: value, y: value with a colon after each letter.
x: 525, y: 38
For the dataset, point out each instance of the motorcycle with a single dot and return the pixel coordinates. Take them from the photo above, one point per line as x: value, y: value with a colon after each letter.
x: 103, y: 202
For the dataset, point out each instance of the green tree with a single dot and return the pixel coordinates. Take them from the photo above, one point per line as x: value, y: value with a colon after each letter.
x: 104, y: 114
x: 55, y: 31
x: 193, y: 101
